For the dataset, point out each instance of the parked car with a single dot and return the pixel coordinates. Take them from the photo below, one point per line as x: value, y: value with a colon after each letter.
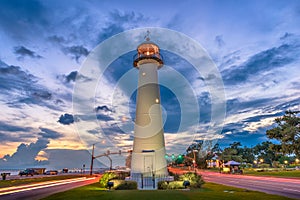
x: 27, y: 172
x: 51, y: 172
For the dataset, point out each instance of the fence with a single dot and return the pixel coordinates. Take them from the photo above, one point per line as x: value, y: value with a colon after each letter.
x: 147, y: 181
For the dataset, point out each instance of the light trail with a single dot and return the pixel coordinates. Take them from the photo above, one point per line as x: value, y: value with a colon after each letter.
x: 16, y: 189
x: 37, y: 184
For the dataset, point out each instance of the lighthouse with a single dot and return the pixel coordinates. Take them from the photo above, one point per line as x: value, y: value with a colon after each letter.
x: 148, y: 154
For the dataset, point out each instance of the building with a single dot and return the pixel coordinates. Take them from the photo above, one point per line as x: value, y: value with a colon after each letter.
x: 148, y: 162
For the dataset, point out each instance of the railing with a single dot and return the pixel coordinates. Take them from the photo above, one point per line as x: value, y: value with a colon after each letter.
x: 147, y: 180
x: 137, y: 57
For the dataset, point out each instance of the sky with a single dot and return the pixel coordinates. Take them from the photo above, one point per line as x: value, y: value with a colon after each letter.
x: 53, y: 109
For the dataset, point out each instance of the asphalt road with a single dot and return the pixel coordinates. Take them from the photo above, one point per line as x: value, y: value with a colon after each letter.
x: 288, y: 187
x: 42, y: 190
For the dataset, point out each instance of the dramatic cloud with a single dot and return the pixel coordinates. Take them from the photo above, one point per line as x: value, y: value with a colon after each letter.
x: 13, y: 128
x: 22, y: 52
x: 73, y: 77
x: 103, y: 108
x: 7, y: 137
x: 76, y: 52
x: 103, y: 113
x: 50, y: 134
x: 66, y: 119
x: 286, y: 36
x: 103, y: 117
x: 119, y: 21
x: 14, y: 78
x: 22, y: 87
x: 266, y: 60
x: 22, y: 19
x: 25, y: 155
x: 219, y: 41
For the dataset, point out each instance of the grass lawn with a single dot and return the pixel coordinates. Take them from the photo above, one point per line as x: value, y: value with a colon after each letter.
x: 16, y: 182
x: 290, y: 174
x: 209, y: 191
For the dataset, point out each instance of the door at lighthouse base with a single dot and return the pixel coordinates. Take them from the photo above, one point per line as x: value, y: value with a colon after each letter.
x: 148, y: 179
x: 148, y: 164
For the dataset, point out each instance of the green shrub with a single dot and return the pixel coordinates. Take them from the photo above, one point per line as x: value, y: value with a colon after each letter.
x: 107, y: 176
x: 263, y: 165
x: 127, y: 185
x: 175, y: 185
x: 195, y: 179
x: 162, y: 185
x: 117, y: 182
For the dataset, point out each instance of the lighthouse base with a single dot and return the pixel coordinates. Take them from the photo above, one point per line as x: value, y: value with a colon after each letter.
x: 148, y: 168
x: 148, y: 181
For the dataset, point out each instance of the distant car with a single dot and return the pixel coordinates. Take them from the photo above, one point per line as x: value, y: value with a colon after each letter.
x: 51, y: 172
x: 27, y: 172
x: 65, y: 170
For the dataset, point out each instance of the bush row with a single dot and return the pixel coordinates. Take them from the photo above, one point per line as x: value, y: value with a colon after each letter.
x: 190, y: 179
x: 194, y: 181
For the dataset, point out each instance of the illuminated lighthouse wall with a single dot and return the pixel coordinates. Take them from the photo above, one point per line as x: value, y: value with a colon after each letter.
x: 148, y: 155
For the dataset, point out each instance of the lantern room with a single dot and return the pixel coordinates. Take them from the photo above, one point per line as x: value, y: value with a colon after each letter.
x: 148, y: 52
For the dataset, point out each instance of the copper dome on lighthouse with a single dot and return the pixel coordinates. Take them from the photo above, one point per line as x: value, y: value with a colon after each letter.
x: 147, y: 52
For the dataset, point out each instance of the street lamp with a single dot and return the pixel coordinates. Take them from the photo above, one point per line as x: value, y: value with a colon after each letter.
x: 285, y: 163
x: 255, y: 163
x: 297, y: 160
x: 261, y: 160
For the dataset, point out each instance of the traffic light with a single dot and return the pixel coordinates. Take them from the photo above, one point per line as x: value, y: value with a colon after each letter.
x: 173, y: 156
x: 166, y: 156
x: 180, y: 158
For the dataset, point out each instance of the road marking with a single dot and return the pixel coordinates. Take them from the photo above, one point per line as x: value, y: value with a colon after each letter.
x: 291, y: 189
x: 42, y: 185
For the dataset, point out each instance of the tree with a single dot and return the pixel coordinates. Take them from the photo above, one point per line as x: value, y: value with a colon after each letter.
x: 235, y: 145
x: 287, y: 132
x: 266, y: 152
x: 247, y: 154
x: 234, y: 152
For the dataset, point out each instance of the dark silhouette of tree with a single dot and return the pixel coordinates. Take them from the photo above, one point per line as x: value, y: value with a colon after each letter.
x: 247, y: 154
x: 287, y: 132
x: 266, y: 152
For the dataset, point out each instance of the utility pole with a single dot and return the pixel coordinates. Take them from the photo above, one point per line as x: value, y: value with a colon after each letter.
x: 92, y: 161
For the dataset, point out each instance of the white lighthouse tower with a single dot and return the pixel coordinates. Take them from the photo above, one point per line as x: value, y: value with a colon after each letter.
x: 148, y: 155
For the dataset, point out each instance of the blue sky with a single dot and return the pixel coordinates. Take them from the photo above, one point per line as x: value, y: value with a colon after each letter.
x: 255, y: 46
